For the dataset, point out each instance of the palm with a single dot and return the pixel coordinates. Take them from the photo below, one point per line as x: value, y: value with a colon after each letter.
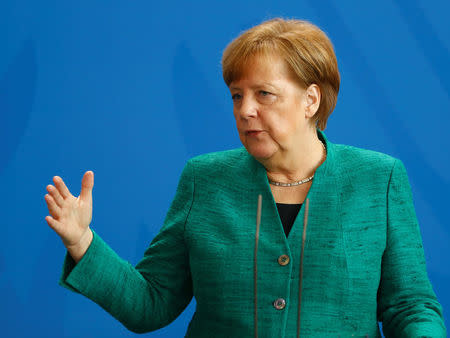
x: 71, y: 215
x: 76, y: 215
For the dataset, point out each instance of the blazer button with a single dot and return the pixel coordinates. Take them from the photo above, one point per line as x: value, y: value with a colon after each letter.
x: 283, y: 260
x: 279, y: 304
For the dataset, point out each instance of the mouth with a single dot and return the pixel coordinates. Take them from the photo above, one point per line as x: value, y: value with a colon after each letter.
x: 253, y: 132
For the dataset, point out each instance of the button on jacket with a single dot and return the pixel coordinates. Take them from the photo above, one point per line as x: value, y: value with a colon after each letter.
x: 354, y: 255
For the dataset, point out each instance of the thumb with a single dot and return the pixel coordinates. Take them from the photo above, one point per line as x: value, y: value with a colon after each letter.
x: 87, y: 184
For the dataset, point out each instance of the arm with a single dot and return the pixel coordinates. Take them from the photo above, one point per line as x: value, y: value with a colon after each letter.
x: 152, y: 294
x: 407, y: 304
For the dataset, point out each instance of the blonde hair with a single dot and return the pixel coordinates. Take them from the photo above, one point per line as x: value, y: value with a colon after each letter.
x: 302, y: 45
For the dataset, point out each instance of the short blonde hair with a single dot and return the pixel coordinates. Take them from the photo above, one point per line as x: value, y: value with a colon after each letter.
x: 305, y: 48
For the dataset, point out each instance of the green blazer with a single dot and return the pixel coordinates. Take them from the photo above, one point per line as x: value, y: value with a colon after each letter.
x: 353, y: 257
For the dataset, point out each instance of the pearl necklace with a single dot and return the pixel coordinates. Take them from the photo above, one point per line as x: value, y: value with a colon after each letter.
x: 293, y: 184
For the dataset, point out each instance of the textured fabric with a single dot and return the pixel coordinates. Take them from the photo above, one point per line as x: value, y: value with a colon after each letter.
x: 288, y: 213
x: 363, y: 257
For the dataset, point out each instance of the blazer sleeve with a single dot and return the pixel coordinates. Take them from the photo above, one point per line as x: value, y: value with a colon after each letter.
x: 155, y: 292
x: 407, y: 304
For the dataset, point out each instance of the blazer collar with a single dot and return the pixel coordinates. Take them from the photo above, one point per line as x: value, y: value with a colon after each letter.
x: 323, y: 189
x: 322, y: 174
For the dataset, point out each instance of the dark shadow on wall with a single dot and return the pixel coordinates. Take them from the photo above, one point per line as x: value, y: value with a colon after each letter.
x: 375, y: 94
x: 145, y: 237
x: 17, y: 92
x: 434, y: 50
x: 45, y: 310
x: 203, y: 122
x: 37, y: 311
x: 13, y: 311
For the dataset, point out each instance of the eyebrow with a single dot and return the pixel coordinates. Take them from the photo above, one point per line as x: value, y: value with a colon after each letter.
x: 257, y: 86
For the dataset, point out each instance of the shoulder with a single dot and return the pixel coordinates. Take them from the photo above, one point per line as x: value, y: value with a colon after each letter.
x: 220, y: 160
x: 222, y: 169
x: 353, y: 160
x: 221, y: 157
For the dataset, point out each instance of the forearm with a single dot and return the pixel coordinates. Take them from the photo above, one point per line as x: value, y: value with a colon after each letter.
x: 421, y: 329
x: 407, y: 302
x: 141, y: 305
x: 421, y: 316
x: 153, y: 293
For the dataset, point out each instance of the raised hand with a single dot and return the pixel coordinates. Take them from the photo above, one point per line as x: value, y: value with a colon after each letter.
x: 70, y: 215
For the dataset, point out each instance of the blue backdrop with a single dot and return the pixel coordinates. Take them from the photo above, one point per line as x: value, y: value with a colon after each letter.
x: 132, y: 89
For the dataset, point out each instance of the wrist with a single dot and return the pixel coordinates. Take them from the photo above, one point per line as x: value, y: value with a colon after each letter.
x: 78, y: 250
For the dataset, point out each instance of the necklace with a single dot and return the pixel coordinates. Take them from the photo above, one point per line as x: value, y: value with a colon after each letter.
x: 293, y: 184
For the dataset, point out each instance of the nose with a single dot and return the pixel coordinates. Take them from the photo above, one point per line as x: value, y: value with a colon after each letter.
x: 248, y: 108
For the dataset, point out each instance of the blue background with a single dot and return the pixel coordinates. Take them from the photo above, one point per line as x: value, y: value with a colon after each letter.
x: 132, y: 89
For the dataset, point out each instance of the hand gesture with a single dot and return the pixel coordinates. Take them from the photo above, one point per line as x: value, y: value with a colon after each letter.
x: 70, y: 215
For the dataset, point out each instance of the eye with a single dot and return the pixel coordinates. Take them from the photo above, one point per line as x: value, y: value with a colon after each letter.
x: 235, y: 97
x: 266, y: 97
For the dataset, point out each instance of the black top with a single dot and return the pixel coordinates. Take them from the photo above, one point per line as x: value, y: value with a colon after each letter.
x: 288, y: 213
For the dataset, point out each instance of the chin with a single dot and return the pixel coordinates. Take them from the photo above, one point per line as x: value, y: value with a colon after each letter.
x: 260, y: 151
x: 261, y: 148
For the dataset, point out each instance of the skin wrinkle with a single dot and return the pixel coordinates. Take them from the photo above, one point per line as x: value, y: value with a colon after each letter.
x: 281, y: 115
x: 268, y: 99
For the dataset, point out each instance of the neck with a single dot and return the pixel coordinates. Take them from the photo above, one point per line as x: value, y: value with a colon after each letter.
x: 295, y: 164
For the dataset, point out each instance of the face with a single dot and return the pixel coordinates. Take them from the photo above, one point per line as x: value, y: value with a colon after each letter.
x: 269, y: 108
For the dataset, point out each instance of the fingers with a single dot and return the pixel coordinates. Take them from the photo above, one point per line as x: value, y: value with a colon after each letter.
x: 87, y: 184
x: 55, y: 195
x: 53, y: 208
x: 54, y: 224
x: 59, y: 184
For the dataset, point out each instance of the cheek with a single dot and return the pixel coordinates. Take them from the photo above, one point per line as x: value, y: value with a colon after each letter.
x: 274, y: 121
x: 239, y: 124
x: 235, y: 112
x: 279, y: 127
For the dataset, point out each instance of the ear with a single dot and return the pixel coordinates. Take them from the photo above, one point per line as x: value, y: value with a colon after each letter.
x: 312, y: 98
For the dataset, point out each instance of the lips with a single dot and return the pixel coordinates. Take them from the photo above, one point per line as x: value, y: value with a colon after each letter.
x: 253, y: 132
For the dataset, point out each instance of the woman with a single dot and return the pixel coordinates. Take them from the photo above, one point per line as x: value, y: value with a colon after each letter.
x: 350, y: 257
